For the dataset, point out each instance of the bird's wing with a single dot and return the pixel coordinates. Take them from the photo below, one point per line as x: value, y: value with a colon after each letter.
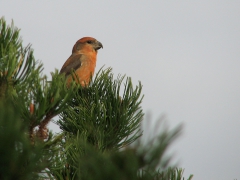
x: 73, y: 63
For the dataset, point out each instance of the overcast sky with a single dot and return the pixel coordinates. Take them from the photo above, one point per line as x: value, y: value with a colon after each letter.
x: 185, y: 53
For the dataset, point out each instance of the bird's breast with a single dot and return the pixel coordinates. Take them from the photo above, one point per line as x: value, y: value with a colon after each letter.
x: 86, y: 70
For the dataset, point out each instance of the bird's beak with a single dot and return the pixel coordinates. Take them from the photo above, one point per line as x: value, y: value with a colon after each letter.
x: 98, y: 45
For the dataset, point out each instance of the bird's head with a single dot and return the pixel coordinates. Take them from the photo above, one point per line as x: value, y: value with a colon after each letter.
x: 87, y: 44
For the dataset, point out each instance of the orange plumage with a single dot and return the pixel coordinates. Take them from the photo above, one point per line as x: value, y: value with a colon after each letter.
x: 82, y: 60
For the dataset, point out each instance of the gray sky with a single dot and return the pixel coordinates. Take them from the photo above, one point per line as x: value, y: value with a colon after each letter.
x: 185, y: 53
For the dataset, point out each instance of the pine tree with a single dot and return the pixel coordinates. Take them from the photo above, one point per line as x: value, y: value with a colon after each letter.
x: 101, y: 133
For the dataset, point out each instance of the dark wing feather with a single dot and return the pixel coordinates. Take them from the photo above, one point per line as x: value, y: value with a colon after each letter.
x: 73, y: 63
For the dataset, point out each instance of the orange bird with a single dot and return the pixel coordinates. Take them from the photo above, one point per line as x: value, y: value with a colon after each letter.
x: 82, y: 61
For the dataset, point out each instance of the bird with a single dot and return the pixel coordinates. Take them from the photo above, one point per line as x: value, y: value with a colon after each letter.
x: 82, y: 61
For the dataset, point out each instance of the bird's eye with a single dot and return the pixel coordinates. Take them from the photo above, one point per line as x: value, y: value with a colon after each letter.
x: 89, y: 42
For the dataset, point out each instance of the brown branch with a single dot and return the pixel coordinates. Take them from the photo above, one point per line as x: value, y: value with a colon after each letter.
x: 31, y: 133
x: 42, y: 132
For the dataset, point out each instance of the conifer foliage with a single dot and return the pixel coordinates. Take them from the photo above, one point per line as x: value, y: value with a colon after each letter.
x: 108, y: 120
x: 100, y: 137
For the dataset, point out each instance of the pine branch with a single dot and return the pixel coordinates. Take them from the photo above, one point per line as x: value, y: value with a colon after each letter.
x: 22, y: 82
x: 19, y: 159
x: 140, y: 161
x: 108, y: 120
x: 16, y: 62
